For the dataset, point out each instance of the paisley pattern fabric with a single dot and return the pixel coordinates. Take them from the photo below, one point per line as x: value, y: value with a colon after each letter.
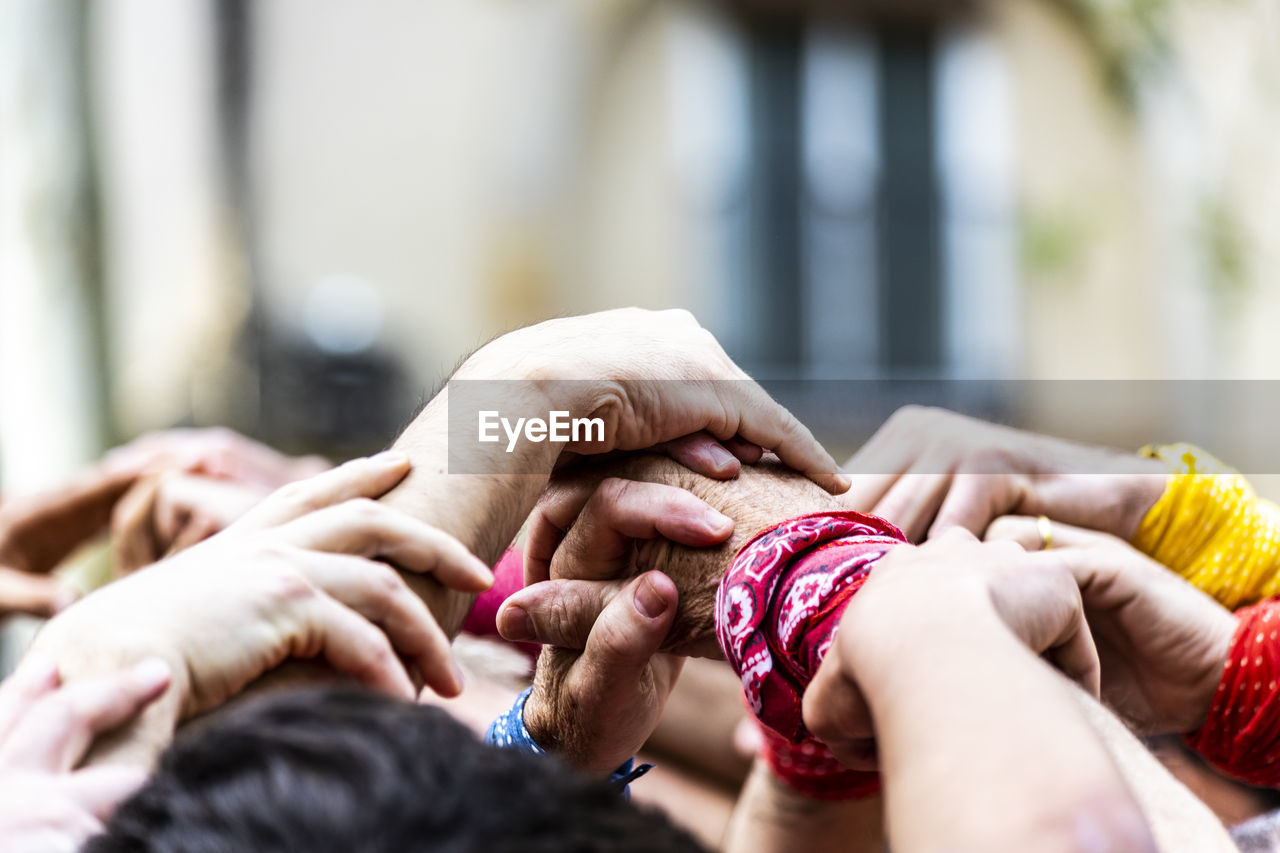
x: 779, y: 604
x: 777, y: 611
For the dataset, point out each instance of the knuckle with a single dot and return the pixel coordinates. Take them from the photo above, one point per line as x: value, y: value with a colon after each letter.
x: 290, y: 586
x: 680, y: 315
x: 1006, y: 548
x: 296, y: 496
x: 613, y: 640
x: 562, y: 623
x: 62, y: 712
x: 613, y: 491
x: 365, y: 510
x: 910, y: 413
x: 385, y: 581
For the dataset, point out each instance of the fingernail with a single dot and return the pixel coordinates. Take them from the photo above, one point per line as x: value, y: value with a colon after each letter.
x: 649, y: 599
x: 718, y: 522
x: 152, y: 673
x: 517, y: 625
x: 843, y: 483
x: 720, y: 457
x: 391, y: 457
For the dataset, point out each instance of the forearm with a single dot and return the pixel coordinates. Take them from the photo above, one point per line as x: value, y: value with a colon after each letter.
x: 982, y: 748
x: 484, y: 510
x: 1178, y: 819
x: 770, y: 816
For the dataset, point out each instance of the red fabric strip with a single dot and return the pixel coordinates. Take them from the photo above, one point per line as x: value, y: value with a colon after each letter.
x: 1241, y: 736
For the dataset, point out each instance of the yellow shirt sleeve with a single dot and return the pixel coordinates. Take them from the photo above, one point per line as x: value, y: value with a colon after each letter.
x: 1211, y: 527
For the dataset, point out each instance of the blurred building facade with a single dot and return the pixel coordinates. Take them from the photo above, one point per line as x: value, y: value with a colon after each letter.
x: 309, y: 209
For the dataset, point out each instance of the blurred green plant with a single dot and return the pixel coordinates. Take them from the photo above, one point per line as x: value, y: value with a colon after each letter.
x: 1224, y: 242
x: 1053, y: 241
x: 1131, y: 37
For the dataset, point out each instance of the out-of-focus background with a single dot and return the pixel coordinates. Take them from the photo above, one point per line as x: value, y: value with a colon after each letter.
x: 294, y: 216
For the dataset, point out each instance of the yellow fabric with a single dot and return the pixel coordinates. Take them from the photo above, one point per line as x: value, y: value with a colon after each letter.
x: 1210, y: 527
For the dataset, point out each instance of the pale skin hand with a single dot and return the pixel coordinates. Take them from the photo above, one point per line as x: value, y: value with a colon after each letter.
x: 214, y: 452
x: 653, y: 377
x: 47, y: 803
x: 38, y: 532
x: 929, y: 470
x: 299, y: 577
x: 1033, y: 597
x: 1162, y: 642
x: 980, y: 744
x: 164, y: 513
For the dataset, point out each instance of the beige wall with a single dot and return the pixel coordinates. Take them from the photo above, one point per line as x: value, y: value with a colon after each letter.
x: 485, y: 163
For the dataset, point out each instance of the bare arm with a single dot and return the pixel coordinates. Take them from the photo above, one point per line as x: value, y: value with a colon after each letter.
x: 773, y: 818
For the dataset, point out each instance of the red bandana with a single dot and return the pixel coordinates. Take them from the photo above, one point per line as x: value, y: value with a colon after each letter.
x: 777, y: 610
x: 1241, y: 735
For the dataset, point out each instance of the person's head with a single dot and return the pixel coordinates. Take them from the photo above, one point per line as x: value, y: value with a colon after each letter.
x: 343, y: 770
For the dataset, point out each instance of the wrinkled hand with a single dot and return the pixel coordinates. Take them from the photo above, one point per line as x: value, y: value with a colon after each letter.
x: 653, y: 377
x: 165, y: 513
x: 298, y: 577
x: 1162, y: 642
x: 597, y: 707
x: 929, y: 470
x: 987, y: 587
x: 46, y: 802
x: 596, y: 527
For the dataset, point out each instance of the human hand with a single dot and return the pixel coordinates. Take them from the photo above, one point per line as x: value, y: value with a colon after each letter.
x: 909, y: 603
x: 598, y: 525
x: 46, y: 802
x: 39, y: 531
x: 1162, y: 643
x: 930, y: 470
x: 165, y: 513
x: 653, y: 377
x: 214, y: 452
x: 297, y: 577
x: 596, y: 707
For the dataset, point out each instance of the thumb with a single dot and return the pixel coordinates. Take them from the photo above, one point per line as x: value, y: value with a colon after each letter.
x: 626, y: 637
x: 838, y: 715
x: 37, y: 595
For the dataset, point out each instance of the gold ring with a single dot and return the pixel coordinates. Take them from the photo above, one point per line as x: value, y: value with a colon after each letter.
x: 1045, y: 526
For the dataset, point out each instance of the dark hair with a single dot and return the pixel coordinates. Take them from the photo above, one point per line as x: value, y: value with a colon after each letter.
x: 347, y: 770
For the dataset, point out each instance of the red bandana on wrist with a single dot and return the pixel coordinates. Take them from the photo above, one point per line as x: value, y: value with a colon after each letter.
x: 1241, y: 735
x: 777, y: 610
